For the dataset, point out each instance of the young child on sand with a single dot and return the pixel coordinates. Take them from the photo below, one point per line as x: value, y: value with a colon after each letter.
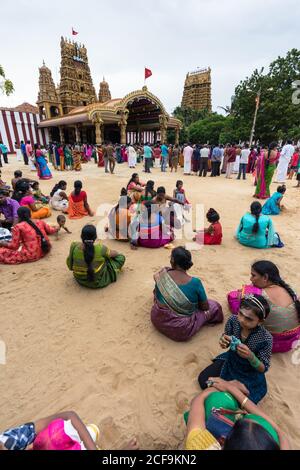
x: 61, y: 220
x: 250, y: 349
x: 38, y: 195
x: 213, y: 234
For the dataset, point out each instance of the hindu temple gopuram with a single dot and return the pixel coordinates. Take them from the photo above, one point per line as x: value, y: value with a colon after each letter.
x: 73, y: 112
x: 197, y: 90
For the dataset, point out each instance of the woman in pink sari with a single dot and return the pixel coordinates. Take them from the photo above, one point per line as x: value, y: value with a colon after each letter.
x: 265, y: 169
x: 284, y: 319
x: 124, y: 154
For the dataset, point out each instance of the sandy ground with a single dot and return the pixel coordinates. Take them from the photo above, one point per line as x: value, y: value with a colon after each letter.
x: 97, y: 352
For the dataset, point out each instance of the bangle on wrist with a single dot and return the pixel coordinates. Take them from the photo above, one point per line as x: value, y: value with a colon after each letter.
x: 244, y: 403
x: 254, y: 362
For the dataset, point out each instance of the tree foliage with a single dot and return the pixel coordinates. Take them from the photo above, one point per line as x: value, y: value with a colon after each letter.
x: 278, y: 117
x: 6, y: 86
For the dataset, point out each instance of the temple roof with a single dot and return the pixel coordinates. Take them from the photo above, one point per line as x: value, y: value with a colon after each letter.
x: 109, y: 111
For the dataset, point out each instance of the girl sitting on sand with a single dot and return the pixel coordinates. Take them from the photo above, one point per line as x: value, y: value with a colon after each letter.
x: 135, y: 188
x: 247, y: 427
x: 250, y: 349
x: 58, y: 197
x: 93, y: 264
x: 213, y: 234
x: 38, y: 195
x: 149, y: 192
x: 272, y: 206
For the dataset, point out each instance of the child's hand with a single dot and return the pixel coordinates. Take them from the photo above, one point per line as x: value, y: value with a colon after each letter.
x: 244, y: 352
x: 225, y: 341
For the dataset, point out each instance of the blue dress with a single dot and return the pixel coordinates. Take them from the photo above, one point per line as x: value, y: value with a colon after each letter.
x: 264, y: 238
x: 271, y: 207
x: 260, y: 342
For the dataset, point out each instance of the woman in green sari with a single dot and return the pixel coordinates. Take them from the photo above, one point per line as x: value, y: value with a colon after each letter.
x: 93, y: 265
x: 266, y: 166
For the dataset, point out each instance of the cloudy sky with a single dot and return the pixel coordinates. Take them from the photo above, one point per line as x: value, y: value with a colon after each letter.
x: 171, y: 37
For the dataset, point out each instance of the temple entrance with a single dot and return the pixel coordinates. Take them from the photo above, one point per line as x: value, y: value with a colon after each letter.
x: 112, y: 134
x: 143, y: 120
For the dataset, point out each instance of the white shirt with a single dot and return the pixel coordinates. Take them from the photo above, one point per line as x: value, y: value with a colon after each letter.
x: 245, y: 156
x: 188, y: 152
x: 287, y: 152
x: 204, y: 153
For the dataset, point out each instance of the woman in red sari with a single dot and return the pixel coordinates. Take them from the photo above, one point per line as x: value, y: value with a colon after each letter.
x: 100, y: 156
x: 30, y: 240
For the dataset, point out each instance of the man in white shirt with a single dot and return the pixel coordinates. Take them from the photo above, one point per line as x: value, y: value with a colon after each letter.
x: 132, y: 156
x: 204, y: 154
x: 187, y: 154
x: 244, y: 158
x: 285, y: 158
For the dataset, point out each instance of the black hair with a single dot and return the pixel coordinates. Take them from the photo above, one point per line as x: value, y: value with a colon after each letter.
x: 161, y: 190
x: 270, y: 269
x: 150, y: 189
x: 18, y: 174
x: 132, y: 179
x: 78, y: 187
x: 33, y: 185
x: 57, y: 187
x: 258, y: 304
x: 178, y: 183
x: 123, y: 192
x: 289, y: 141
x: 248, y: 435
x: 272, y: 146
x: 256, y: 209
x: 182, y: 258
x: 281, y: 189
x: 212, y: 216
x: 88, y: 237
x: 21, y: 190
x: 61, y: 217
x: 121, y: 202
x: 24, y: 216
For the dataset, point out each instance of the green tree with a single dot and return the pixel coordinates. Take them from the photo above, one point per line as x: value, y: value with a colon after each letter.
x: 6, y: 86
x: 277, y: 116
x: 207, y: 130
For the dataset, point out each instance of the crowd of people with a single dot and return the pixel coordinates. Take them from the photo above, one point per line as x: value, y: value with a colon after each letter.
x: 265, y: 314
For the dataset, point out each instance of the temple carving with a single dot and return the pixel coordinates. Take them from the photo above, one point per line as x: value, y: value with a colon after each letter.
x: 197, y: 90
x: 72, y: 112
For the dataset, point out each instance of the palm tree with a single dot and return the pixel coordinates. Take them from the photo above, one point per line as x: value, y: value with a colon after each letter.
x: 227, y: 109
x: 6, y: 86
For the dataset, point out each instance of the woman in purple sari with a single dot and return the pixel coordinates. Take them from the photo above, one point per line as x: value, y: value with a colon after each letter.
x: 181, y: 306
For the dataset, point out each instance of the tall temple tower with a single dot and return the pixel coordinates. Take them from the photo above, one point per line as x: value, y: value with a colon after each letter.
x: 104, y: 92
x: 76, y: 85
x: 48, y: 99
x: 197, y: 90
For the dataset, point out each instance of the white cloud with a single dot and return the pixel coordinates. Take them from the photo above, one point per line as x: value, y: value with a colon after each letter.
x: 169, y: 36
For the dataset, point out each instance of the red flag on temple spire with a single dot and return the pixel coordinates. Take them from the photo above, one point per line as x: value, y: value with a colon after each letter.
x: 148, y: 73
x: 74, y: 33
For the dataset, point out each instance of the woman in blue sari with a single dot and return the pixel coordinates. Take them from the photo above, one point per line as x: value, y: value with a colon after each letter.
x: 257, y: 230
x: 272, y: 206
x: 41, y: 164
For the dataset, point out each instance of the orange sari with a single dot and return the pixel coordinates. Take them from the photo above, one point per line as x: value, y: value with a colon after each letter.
x: 76, y: 209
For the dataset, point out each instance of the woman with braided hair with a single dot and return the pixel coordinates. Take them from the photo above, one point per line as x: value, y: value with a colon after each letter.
x: 257, y: 230
x: 30, y: 240
x: 284, y: 319
x: 93, y: 264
